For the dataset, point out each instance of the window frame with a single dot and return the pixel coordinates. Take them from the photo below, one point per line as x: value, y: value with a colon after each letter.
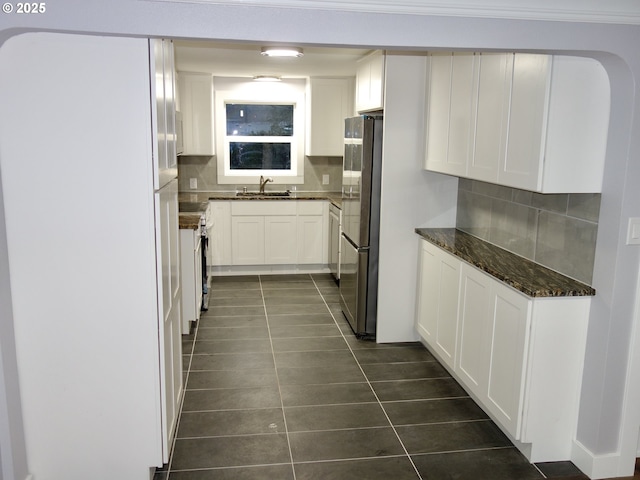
x: 255, y: 93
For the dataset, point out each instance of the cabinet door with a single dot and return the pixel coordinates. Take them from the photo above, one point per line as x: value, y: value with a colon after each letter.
x: 197, y: 259
x: 370, y: 83
x: 334, y: 243
x: 219, y: 233
x: 167, y: 239
x: 189, y: 277
x: 248, y: 240
x: 330, y: 102
x: 196, y: 108
x: 280, y: 240
x: 437, y: 316
x: 510, y: 325
x: 311, y: 239
x: 163, y: 112
x: 376, y: 81
x: 522, y: 167
x: 447, y: 329
x: 428, y: 293
x: 494, y: 90
x: 472, y: 363
x: 438, y: 102
x: 462, y: 113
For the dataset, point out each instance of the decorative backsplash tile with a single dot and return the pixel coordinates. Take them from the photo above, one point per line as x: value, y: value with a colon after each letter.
x: 558, y: 230
x: 206, y: 171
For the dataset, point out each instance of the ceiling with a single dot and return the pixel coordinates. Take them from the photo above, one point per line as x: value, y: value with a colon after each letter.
x: 245, y: 60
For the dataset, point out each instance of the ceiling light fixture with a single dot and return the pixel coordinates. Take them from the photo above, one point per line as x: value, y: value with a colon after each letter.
x: 266, y: 78
x: 282, y: 52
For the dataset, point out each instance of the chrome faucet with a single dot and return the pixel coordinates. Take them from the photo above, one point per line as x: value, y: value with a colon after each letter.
x: 263, y: 182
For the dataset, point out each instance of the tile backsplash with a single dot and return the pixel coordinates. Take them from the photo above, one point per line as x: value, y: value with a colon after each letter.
x: 556, y: 230
x: 204, y: 169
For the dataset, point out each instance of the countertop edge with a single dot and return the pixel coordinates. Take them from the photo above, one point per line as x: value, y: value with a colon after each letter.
x: 565, y: 286
x: 194, y: 197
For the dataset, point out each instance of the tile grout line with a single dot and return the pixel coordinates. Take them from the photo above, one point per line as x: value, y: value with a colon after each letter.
x: 371, y: 387
x: 275, y: 367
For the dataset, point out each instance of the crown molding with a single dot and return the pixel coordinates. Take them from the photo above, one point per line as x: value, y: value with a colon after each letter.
x: 594, y: 11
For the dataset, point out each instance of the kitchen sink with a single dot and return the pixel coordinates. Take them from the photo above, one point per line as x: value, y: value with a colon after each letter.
x: 264, y: 194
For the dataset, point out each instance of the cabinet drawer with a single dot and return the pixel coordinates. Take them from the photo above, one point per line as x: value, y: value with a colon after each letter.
x: 263, y: 207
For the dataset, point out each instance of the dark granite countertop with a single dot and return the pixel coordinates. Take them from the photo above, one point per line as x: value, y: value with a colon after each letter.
x: 195, y: 197
x: 192, y: 204
x: 528, y: 277
x: 189, y: 221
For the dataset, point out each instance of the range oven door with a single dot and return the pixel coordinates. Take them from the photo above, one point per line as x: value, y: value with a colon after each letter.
x: 353, y: 284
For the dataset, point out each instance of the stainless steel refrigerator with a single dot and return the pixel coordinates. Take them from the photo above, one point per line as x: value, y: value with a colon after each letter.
x: 361, y: 222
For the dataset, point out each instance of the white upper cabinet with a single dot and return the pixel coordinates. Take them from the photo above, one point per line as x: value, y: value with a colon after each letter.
x: 329, y: 102
x: 196, y: 109
x: 451, y: 112
x: 494, y: 85
x: 569, y: 97
x: 439, y: 100
x: 165, y: 163
x: 538, y: 122
x: 370, y: 82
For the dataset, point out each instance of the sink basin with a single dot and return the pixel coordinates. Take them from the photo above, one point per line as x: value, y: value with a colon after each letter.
x: 265, y: 194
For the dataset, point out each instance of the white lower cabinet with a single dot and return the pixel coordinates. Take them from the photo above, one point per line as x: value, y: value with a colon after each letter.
x: 519, y: 357
x: 313, y: 225
x: 247, y: 245
x: 191, y: 276
x: 170, y: 341
x: 269, y: 232
x: 219, y: 233
x: 280, y: 243
x: 438, y: 301
x: 494, y: 326
x: 475, y: 329
x: 335, y: 232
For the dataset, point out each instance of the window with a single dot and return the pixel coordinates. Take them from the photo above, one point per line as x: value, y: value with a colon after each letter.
x: 259, y: 137
x: 260, y: 131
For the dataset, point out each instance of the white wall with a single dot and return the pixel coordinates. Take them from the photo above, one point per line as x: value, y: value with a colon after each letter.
x: 80, y: 239
x: 605, y: 382
x: 13, y: 459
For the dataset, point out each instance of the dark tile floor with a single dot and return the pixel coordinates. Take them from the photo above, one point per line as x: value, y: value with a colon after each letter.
x: 278, y: 387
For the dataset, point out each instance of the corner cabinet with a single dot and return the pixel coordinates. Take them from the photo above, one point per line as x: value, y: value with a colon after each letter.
x: 195, y: 97
x: 519, y: 357
x: 529, y: 121
x: 329, y: 102
x: 370, y: 82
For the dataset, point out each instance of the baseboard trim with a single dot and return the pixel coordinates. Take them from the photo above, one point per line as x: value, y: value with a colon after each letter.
x: 592, y: 465
x: 266, y: 270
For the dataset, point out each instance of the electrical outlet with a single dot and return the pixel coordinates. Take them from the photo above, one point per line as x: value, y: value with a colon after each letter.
x: 193, y: 183
x: 633, y: 231
x: 325, y: 179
